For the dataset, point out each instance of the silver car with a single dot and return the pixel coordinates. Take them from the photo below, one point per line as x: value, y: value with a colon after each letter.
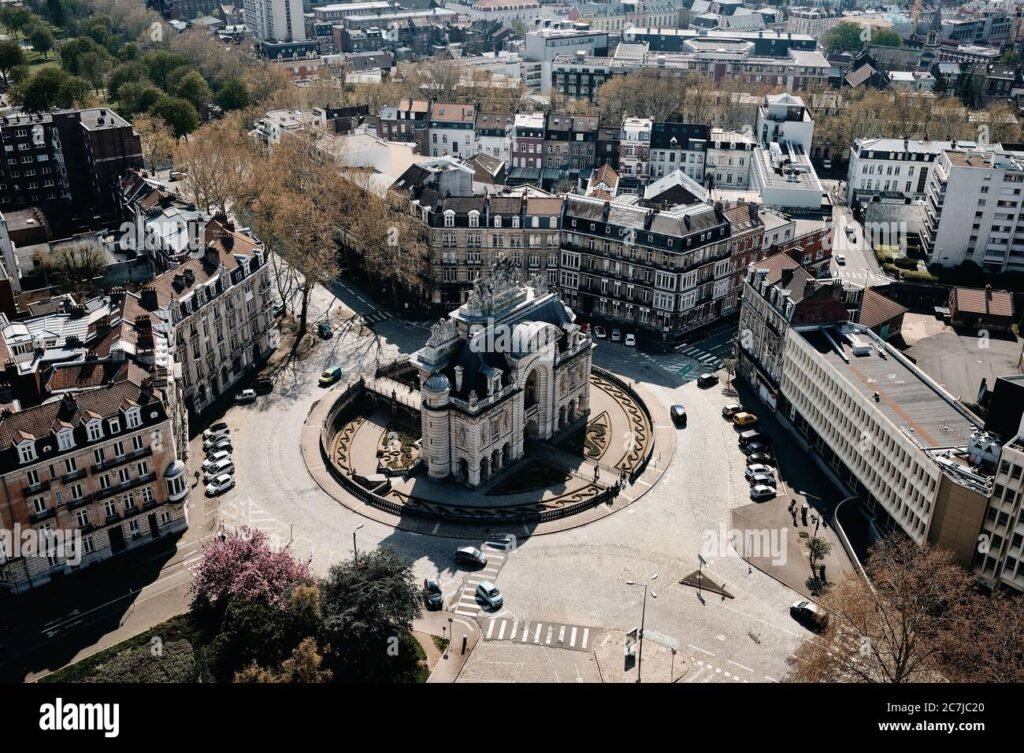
x: 490, y: 594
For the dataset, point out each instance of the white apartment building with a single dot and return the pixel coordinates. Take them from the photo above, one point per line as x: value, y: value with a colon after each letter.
x: 505, y: 11
x: 973, y: 209
x: 813, y: 22
x: 729, y: 158
x: 278, y: 20
x: 893, y: 166
x: 546, y: 42
x: 784, y: 118
x: 1003, y: 562
x: 898, y: 440
x: 451, y: 131
x: 635, y: 149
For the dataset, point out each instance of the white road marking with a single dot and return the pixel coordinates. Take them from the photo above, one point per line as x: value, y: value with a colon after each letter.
x: 561, y: 633
x: 536, y: 636
x: 526, y: 632
x: 698, y: 648
x: 572, y: 637
x: 490, y: 629
x: 551, y: 629
x: 501, y: 633
x: 586, y: 636
x: 730, y: 661
x: 514, y: 631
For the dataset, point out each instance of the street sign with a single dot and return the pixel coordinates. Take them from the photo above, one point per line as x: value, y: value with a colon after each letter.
x: 702, y: 560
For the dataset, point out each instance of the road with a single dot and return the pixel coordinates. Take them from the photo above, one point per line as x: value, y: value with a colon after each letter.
x: 860, y: 267
x: 573, y: 582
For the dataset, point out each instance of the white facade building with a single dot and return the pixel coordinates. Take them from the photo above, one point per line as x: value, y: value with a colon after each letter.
x: 279, y: 20
x: 893, y: 166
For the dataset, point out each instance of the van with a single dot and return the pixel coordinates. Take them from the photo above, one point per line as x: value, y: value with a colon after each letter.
x: 744, y: 419
x: 750, y: 435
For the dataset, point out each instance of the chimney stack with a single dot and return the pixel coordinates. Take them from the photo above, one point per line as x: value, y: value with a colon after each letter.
x: 458, y: 378
x: 148, y: 299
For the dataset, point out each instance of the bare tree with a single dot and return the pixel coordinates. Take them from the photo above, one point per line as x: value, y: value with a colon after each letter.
x: 218, y: 163
x: 76, y: 266
x: 901, y: 629
x: 157, y: 140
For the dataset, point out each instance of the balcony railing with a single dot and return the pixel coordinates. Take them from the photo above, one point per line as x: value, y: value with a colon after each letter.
x: 36, y: 517
x: 79, y: 502
x: 122, y: 459
x: 125, y: 486
x: 39, y: 486
x: 73, y: 475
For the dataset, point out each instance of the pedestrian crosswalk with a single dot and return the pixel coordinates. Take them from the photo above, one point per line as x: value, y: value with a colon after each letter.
x: 701, y: 671
x: 550, y: 634
x: 467, y: 603
x: 697, y: 354
x: 378, y: 315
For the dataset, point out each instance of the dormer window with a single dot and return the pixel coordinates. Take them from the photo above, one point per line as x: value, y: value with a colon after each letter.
x: 94, y: 429
x: 449, y: 218
x: 115, y: 425
x: 26, y: 451
x: 535, y: 221
x: 133, y: 418
x: 65, y: 439
x: 474, y: 219
x: 497, y: 220
x: 515, y: 221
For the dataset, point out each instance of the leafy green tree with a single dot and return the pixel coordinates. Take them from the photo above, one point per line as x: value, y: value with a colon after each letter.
x: 128, y: 52
x: 369, y: 607
x: 161, y: 62
x: 72, y: 51
x: 233, y: 95
x: 50, y: 87
x: 11, y: 55
x: 887, y: 38
x: 844, y: 37
x: 20, y: 73
x: 55, y: 12
x: 13, y: 18
x: 42, y: 40
x: 123, y: 74
x: 137, y: 96
x: 94, y: 67
x: 179, y: 114
x: 193, y: 88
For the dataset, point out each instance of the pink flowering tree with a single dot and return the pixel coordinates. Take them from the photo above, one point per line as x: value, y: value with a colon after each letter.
x: 243, y: 567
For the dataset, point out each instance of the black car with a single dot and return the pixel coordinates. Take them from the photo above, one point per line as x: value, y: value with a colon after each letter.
x: 761, y: 456
x: 432, y: 595
x: 678, y: 415
x: 324, y: 330
x: 470, y: 555
x: 707, y: 380
x: 264, y: 386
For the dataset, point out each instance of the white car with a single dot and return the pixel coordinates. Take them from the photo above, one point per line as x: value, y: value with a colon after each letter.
x: 762, y: 479
x: 490, y: 594
x: 219, y: 429
x: 761, y: 492
x: 631, y: 340
x: 840, y: 260
x: 851, y: 231
x: 757, y: 468
x: 246, y: 396
x: 616, y: 335
x: 215, y: 458
x: 220, y: 484
x: 222, y: 468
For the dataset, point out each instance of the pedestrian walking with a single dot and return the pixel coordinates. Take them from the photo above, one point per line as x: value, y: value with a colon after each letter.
x: 197, y: 479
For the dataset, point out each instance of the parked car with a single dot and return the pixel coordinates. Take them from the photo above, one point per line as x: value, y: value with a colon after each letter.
x: 760, y: 457
x: 216, y: 430
x: 221, y: 468
x: 245, y: 396
x: 707, y: 380
x: 731, y: 410
x: 470, y: 555
x: 213, y: 459
x: 851, y: 231
x: 218, y: 447
x: 826, y: 164
x: 264, y: 386
x: 750, y: 435
x: 762, y: 479
x: 762, y: 492
x: 840, y: 260
x: 432, y: 595
x: 489, y: 593
x: 599, y: 332
x: 744, y: 419
x: 324, y: 330
x: 616, y: 335
x: 630, y: 340
x: 810, y: 614
x: 678, y: 415
x: 277, y: 310
x: 220, y: 484
x: 758, y: 469
x: 217, y: 442
x: 330, y: 375
x: 755, y: 446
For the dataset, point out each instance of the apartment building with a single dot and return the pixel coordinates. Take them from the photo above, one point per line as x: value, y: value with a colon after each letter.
x: 278, y: 28
x: 337, y: 12
x: 98, y: 468
x: 165, y: 227
x: 216, y: 308
x: 452, y: 130
x: 634, y: 153
x: 814, y: 22
x: 973, y: 209
x: 999, y: 562
x: 729, y: 157
x: 493, y: 135
x: 570, y: 144
x: 506, y: 11
x: 66, y: 162
x: 662, y: 273
x: 679, y: 146
x: 467, y: 229
x: 899, y: 166
x: 409, y: 121
x: 617, y: 17
x: 783, y: 118
x: 528, y: 146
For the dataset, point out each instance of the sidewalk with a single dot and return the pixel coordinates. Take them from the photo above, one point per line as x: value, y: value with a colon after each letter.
x: 447, y: 667
x: 656, y: 663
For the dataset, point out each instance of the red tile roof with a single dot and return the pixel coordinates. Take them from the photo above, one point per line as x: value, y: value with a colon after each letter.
x: 983, y: 301
x: 876, y: 309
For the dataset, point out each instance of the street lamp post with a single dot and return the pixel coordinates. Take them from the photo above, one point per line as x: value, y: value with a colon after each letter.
x: 355, y: 550
x: 643, y: 620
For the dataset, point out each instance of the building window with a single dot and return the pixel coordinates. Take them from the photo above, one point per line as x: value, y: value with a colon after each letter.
x: 94, y: 429
x: 133, y: 418
x: 26, y: 452
x: 147, y: 495
x: 137, y: 442
x: 115, y: 425
x: 65, y: 439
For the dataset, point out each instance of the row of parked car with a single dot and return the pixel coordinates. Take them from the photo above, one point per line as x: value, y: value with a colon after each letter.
x: 760, y: 472
x: 486, y: 591
x: 602, y: 334
x: 218, y: 467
